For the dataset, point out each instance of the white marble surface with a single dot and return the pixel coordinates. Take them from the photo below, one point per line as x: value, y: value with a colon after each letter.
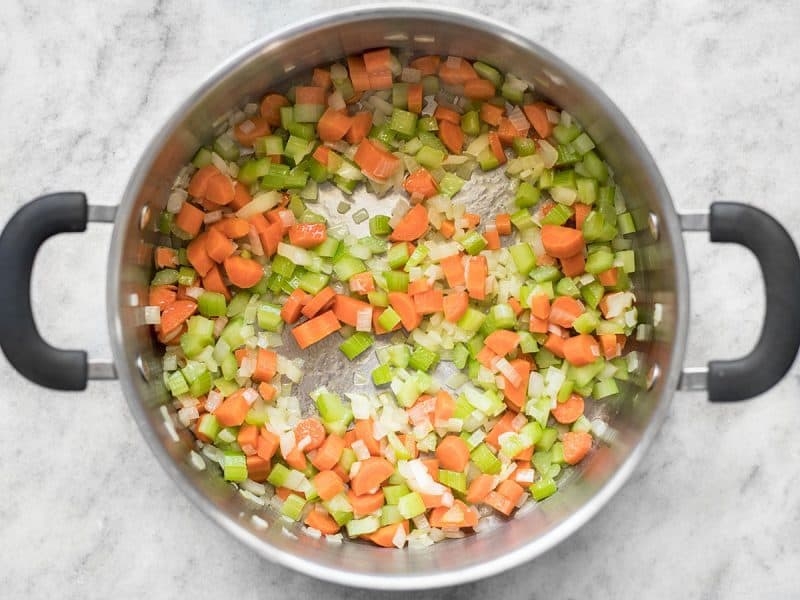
x: 714, y: 510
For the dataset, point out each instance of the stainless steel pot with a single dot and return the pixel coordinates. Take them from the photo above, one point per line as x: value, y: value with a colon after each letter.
x: 661, y: 282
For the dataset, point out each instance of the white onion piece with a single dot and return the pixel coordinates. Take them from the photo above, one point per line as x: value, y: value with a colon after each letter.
x: 152, y: 315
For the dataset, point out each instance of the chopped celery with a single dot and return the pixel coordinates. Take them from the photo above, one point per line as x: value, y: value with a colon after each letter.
x: 470, y: 123
x: 543, y: 488
x: 411, y: 505
x: 548, y: 438
x: 566, y: 287
x: 524, y: 146
x: 356, y: 344
x: 526, y: 195
x: 393, y: 493
x: 558, y: 215
x: 396, y: 281
x: 423, y: 359
x: 269, y: 317
x: 403, y: 123
x: 177, y: 384
x: 397, y: 256
x: 234, y: 466
x: 347, y: 266
x: 473, y: 242
x: 523, y: 256
x: 471, y: 320
x: 389, y: 319
x: 379, y: 225
x: 450, y: 185
x: 522, y: 219
x: 382, y: 375
x: 485, y: 460
x: 202, y: 158
x: 417, y: 256
x: 357, y: 527
x: 165, y: 277
x: 454, y: 480
x: 313, y: 283
x: 293, y: 506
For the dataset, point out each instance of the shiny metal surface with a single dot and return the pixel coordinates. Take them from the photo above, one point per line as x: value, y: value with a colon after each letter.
x: 696, y: 220
x: 101, y: 368
x: 661, y: 278
x: 693, y: 379
x: 101, y: 213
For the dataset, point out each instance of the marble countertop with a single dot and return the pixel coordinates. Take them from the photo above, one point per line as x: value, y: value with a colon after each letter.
x: 713, y: 511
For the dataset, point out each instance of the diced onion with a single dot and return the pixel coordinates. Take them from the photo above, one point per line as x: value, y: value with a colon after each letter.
x: 152, y: 315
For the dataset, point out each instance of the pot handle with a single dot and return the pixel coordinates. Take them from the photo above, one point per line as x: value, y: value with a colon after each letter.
x: 20, y: 340
x: 777, y: 346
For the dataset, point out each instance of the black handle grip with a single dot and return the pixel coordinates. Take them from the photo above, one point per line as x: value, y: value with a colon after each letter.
x: 24, y: 348
x: 775, y: 351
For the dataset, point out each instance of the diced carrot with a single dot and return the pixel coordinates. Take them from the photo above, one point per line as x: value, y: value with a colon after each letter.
x: 358, y: 73
x: 268, y: 444
x: 312, y: 429
x: 517, y: 394
x: 321, y: 78
x: 365, y: 431
x: 385, y: 535
x: 327, y: 484
x: 309, y: 94
x: 456, y: 71
x: 497, y: 147
x: 428, y: 65
x: 372, y: 473
x: 447, y: 228
x: 321, y: 154
x: 165, y: 257
x: 267, y: 391
x: 576, y: 445
x: 190, y: 219
x: 453, y: 453
x: 322, y: 522
x: 458, y: 515
x: 479, y: 89
x: 453, y: 268
x: 444, y: 407
x: 249, y: 130
x: 243, y: 272
x: 609, y: 277
x: 362, y: 283
x: 414, y: 98
x: 234, y: 227
x: 270, y: 237
x: 565, y: 310
x: 432, y: 466
x: 499, y: 502
x: 491, y: 114
x: 515, y: 306
x: 161, y: 295
x: 429, y: 302
x: 561, y: 242
x: 271, y: 108
x: 266, y: 365
x: 572, y: 266
x: 367, y: 502
x: 442, y: 113
x: 537, y: 325
x: 540, y: 306
x: 581, y: 350
x: 374, y: 161
x: 421, y: 183
x: 502, y: 341
x: 487, y: 358
x: 296, y: 459
x: 308, y: 235
x: 333, y: 125
x: 232, y: 411
x: 403, y: 304
x: 360, y: 125
x: 472, y: 219
x: 503, y: 223
x: 452, y: 136
x: 174, y: 314
x: 610, y: 345
x: 247, y: 438
x: 545, y: 259
x: 555, y: 344
x: 241, y: 196
x: 581, y: 212
x: 218, y: 245
x: 376, y: 61
x: 506, y: 132
x: 347, y: 309
x: 329, y: 453
x: 568, y: 411
x: 220, y: 190
x: 258, y: 469
x: 199, y: 181
x: 512, y: 491
x: 479, y: 488
x: 537, y: 115
x: 492, y: 237
x: 283, y: 492
x: 316, y: 329
x: 477, y: 271
x: 291, y: 309
x: 319, y: 303
x: 502, y: 426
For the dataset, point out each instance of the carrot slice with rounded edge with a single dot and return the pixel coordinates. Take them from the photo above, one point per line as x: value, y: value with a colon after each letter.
x: 561, y: 242
x: 479, y: 89
x: 444, y: 407
x: 218, y: 245
x: 213, y: 282
x: 479, y: 488
x: 403, y: 304
x: 581, y: 212
x: 580, y: 350
x: 309, y: 94
x: 456, y: 71
x: 220, y: 190
x: 319, y: 303
x: 491, y: 114
x: 165, y: 257
x: 249, y: 130
x: 537, y: 115
x: 329, y: 453
x: 313, y: 429
x: 234, y: 227
x: 455, y: 305
x: 502, y: 341
x: 453, y: 453
x: 421, y: 183
x: 385, y: 536
x: 516, y: 395
x: 372, y: 473
x: 190, y: 219
x: 321, y: 78
x: 333, y: 125
x: 442, y: 113
x: 358, y: 73
x: 374, y: 161
x: 568, y: 411
x: 428, y: 65
x: 564, y: 310
x: 243, y: 272
x: 364, y: 431
x: 161, y: 295
x: 452, y: 136
x: 322, y: 522
x: 327, y: 484
x: 174, y: 314
x: 572, y: 266
x: 414, y: 98
x: 366, y: 502
x: 241, y: 196
x: 198, y: 256
x: 271, y: 108
x: 199, y: 181
x: 576, y: 445
x: 307, y: 235
x: 347, y: 309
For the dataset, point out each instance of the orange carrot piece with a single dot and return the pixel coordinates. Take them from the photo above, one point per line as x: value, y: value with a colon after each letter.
x: 502, y: 426
x: 161, y: 295
x: 268, y: 444
x: 492, y: 237
x: 561, y: 242
x: 447, y: 229
x: 555, y: 343
x: 384, y: 537
x: 412, y: 226
x: 516, y: 395
x: 296, y: 459
x: 499, y: 502
x: 456, y: 71
x: 267, y: 391
x: 428, y: 65
x: 232, y: 411
x: 472, y: 219
x: 327, y: 484
x: 347, y: 309
x: 503, y: 223
x: 241, y: 196
x: 319, y: 303
x: 372, y: 473
x: 358, y: 73
x: 165, y: 257
x: 291, y: 309
x: 502, y: 341
x: 491, y: 114
x: 360, y: 125
x: 247, y: 438
x: 458, y: 515
x: 432, y: 465
x: 429, y: 302
x: 243, y: 272
x: 220, y: 190
x: 309, y: 94
x: 581, y: 212
x: 198, y: 256
x: 234, y: 228
x: 329, y: 453
x: 453, y: 453
x: 322, y: 522
x: 443, y: 113
x: 511, y: 490
x: 249, y: 130
x: 316, y: 329
x: 199, y: 181
x: 308, y: 235
x: 403, y: 304
x: 376, y: 61
x: 362, y: 283
x: 190, y: 219
x: 497, y: 147
x: 540, y: 306
x: 271, y: 108
x: 565, y: 310
x: 174, y: 314
x: 374, y: 161
x: 479, y: 488
x: 321, y: 154
x: 266, y: 365
x: 321, y: 78
x: 537, y: 115
x: 365, y: 431
x: 414, y: 98
x: 581, y: 350
x: 610, y: 345
x: 421, y: 183
x: 444, y: 407
x: 487, y: 358
x: 572, y: 266
x: 270, y: 237
x: 479, y: 89
x: 453, y: 268
x: 477, y: 271
x: 609, y: 277
x: 452, y: 136
x: 576, y: 445
x: 568, y: 411
x: 418, y: 286
x: 258, y: 469
x: 366, y: 502
x: 333, y: 125
x: 506, y: 132
x: 515, y: 306
x: 218, y: 246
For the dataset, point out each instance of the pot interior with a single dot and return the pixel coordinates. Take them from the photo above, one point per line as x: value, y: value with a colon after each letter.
x: 660, y: 278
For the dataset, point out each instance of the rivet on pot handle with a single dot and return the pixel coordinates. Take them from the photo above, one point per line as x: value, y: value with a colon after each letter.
x: 20, y: 340
x: 777, y: 346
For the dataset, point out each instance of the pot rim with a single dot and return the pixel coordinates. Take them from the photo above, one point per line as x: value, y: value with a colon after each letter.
x: 127, y: 370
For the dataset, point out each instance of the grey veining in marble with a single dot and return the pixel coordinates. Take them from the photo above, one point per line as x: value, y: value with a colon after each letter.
x: 714, y: 510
